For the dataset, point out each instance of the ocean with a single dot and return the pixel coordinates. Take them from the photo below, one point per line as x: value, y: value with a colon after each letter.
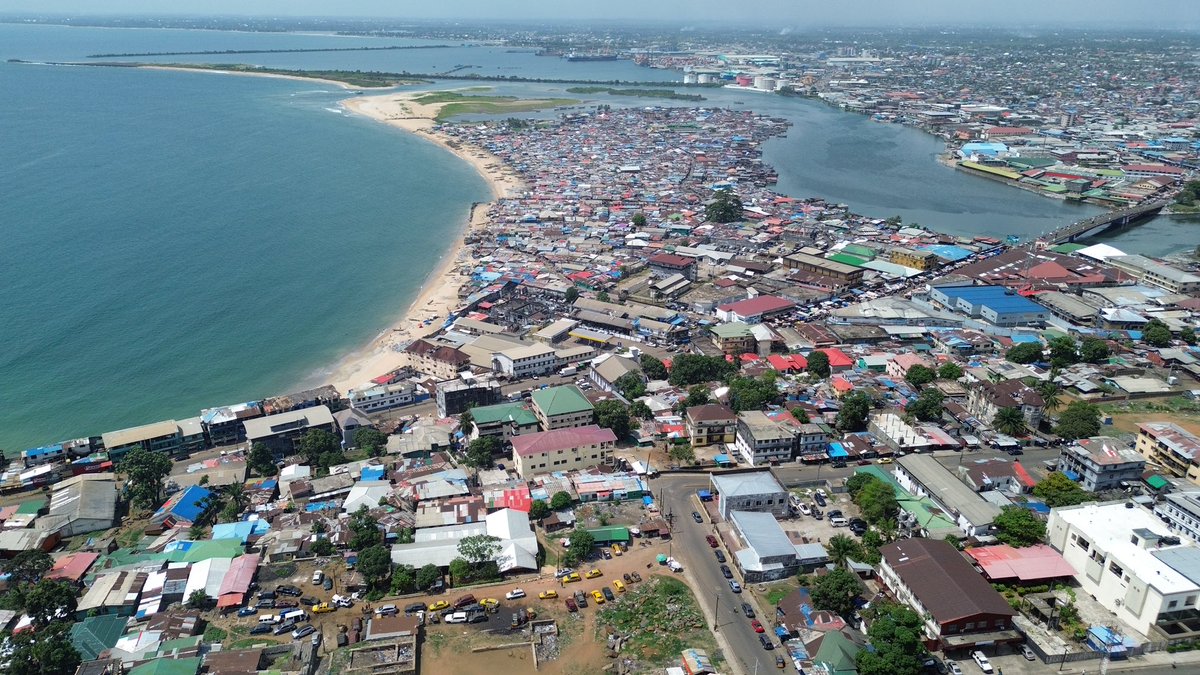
x: 171, y: 241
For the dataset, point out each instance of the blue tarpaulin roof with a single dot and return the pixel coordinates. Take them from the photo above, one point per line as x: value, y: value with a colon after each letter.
x: 721, y: 458
x: 837, y: 450
x: 1071, y: 474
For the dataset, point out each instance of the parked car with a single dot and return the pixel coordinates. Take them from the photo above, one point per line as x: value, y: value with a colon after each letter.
x: 302, y: 632
x: 593, y: 573
x: 435, y: 606
x: 747, y: 610
x: 581, y: 598
x: 464, y: 600
x: 604, y: 552
x: 735, y: 586
x: 265, y: 604
x: 563, y: 572
x: 544, y: 595
x: 260, y: 629
x: 952, y: 666
x: 286, y: 604
x: 1028, y: 653
x: 289, y: 590
x: 834, y: 513
x: 757, y: 626
x: 413, y: 608
x: 318, y: 577
x: 573, y: 576
x: 720, y: 555
x: 572, y: 606
x: 779, y: 662
x: 456, y: 617
x: 608, y: 594
x: 726, y: 572
x: 392, y: 610
x: 696, y: 517
x: 284, y: 627
x: 266, y: 595
x: 247, y: 611
x: 637, y: 578
x: 598, y: 597
x: 627, y: 577
x: 476, y: 617
x: 819, y: 498
x: 309, y: 601
x: 492, y: 603
x: 712, y: 541
x: 328, y: 585
x: 805, y: 509
x: 982, y: 661
x: 618, y: 585
x: 766, y: 642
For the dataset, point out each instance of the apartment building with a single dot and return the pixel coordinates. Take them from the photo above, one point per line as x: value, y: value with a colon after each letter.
x: 761, y: 440
x: 169, y: 436
x: 569, y: 449
x: 1101, y: 464
x: 382, y: 397
x: 710, y: 424
x: 1174, y: 448
x: 988, y: 398
x: 442, y: 362
x: 525, y: 361
x: 562, y: 407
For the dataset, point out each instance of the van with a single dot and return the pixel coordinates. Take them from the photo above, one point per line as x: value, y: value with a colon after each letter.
x: 293, y: 615
x: 839, y: 521
x: 268, y: 618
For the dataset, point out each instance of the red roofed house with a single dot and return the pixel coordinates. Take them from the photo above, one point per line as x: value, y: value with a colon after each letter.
x: 1029, y: 565
x: 841, y: 385
x: 1142, y: 170
x: 899, y: 365
x: 754, y: 310
x: 787, y: 363
x: 568, y: 449
x: 72, y: 567
x: 666, y: 264
x: 235, y: 585
x: 837, y: 359
x: 1001, y: 132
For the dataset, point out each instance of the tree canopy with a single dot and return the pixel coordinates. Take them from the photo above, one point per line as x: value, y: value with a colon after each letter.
x: 726, y: 207
x: 641, y: 411
x: 144, y: 471
x: 1093, y: 350
x: 752, y: 393
x: 375, y: 564
x: 261, y: 460
x: 689, y: 369
x: 818, y: 364
x: 1156, y: 334
x: 364, y: 529
x: 836, y: 592
x: 919, y: 376
x: 875, y: 499
x: 572, y: 294
x: 1026, y: 352
x: 928, y: 406
x: 538, y: 510
x: 652, y: 367
x: 950, y: 371
x: 1080, y: 420
x: 1019, y: 527
x: 581, y: 542
x: 316, y: 444
x: 697, y: 395
x: 1063, y: 351
x: 27, y: 567
x: 49, y: 601
x: 1058, y: 490
x: 560, y: 500
x: 854, y: 411
x: 630, y: 385
x: 428, y: 576
x: 373, y: 441
x: 48, y: 651
x: 613, y: 414
x: 897, y: 635
x: 480, y: 452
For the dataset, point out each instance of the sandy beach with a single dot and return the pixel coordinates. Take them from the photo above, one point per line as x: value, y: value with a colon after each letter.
x: 439, y: 292
x: 277, y: 76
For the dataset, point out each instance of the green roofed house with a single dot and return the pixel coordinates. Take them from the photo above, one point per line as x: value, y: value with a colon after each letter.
x: 188, y: 666
x: 837, y: 654
x: 922, y: 514
x: 608, y: 535
x: 734, y: 337
x: 1067, y: 248
x: 97, y: 634
x: 847, y: 259
x: 32, y: 507
x: 1158, y: 482
x: 503, y: 420
x: 562, y: 407
x: 859, y: 250
x: 1027, y: 163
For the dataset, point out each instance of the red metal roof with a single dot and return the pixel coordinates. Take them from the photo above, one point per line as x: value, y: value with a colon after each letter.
x: 517, y: 498
x: 837, y: 358
x: 763, y: 304
x: 561, y: 439
x: 72, y: 567
x: 1032, y: 563
x: 236, y: 583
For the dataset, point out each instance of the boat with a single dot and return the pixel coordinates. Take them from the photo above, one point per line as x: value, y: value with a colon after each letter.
x: 590, y: 57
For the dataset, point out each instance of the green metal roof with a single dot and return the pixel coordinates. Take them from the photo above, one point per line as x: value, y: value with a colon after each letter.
x: 1157, y: 482
x: 32, y: 507
x: 188, y: 666
x: 731, y: 330
x: 1111, y: 173
x: 859, y: 250
x: 1031, y: 162
x: 1056, y: 189
x: 847, y: 259
x: 1067, y: 249
x: 838, y: 653
x: 169, y: 646
x: 95, y: 634
x: 502, y: 412
x: 608, y: 534
x: 565, y: 400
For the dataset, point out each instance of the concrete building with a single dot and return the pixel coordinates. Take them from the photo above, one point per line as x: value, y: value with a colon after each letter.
x: 1131, y: 563
x: 667, y: 264
x: 503, y: 420
x: 761, y: 440
x: 811, y: 439
x: 733, y: 338
x: 845, y: 275
x: 1157, y: 274
x: 754, y: 310
x: 443, y: 362
x: 382, y: 397
x: 224, y: 425
x: 959, y: 607
x: 988, y: 398
x: 283, y: 431
x: 768, y: 554
x: 562, y: 407
x: 569, y: 449
x: 1101, y: 463
x: 555, y: 332
x: 710, y: 424
x: 169, y: 436
x: 995, y: 304
x: 897, y: 367
x: 1181, y: 512
x: 752, y: 491
x: 82, y: 504
x: 439, y: 545
x: 604, y: 371
x: 914, y: 258
x: 1172, y: 447
x: 525, y: 361
x: 457, y: 395
x: 924, y: 476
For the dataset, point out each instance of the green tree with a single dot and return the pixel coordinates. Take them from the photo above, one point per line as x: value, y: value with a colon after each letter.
x: 427, y: 576
x: 639, y: 410
x: 836, y: 592
x: 560, y: 500
x: 630, y: 385
x: 898, y: 638
x: 1063, y: 351
x: 460, y: 571
x: 919, y: 376
x: 572, y: 295
x: 1188, y: 336
x: 198, y: 599
x: 261, y: 460
x: 48, y: 601
x: 48, y: 651
x: 1009, y: 421
x: 602, y: 296
x: 613, y: 414
x: 854, y: 411
x: 1049, y: 392
x: 639, y: 219
x: 818, y: 364
x: 950, y: 371
x: 871, y: 541
x: 321, y: 547
x: 1080, y: 420
x: 364, y: 530
x: 318, y: 442
x: 653, y: 368
x: 1058, y: 490
x: 373, y: 441
x: 1093, y: 350
x: 466, y: 420
x: 752, y: 393
x: 688, y: 369
x: 697, y: 395
x: 479, y: 548
x: 682, y: 452
x: 928, y: 406
x: 855, y: 483
x: 27, y: 567
x: 726, y: 207
x: 481, y: 451
x: 539, y: 510
x: 404, y: 579
x: 375, y: 564
x: 1156, y: 334
x: 877, y: 502
x: 144, y: 473
x: 1026, y: 352
x: 842, y: 549
x: 1019, y: 527
x: 581, y: 542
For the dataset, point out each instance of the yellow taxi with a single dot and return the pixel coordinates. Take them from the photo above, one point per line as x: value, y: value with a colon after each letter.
x: 617, y: 550
x: 598, y: 597
x: 547, y: 595
x: 439, y: 605
x: 573, y: 576
x: 489, y: 602
x: 619, y: 586
x: 592, y: 574
x: 884, y: 460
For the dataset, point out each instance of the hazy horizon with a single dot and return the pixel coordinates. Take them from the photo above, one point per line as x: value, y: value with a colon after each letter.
x: 796, y: 14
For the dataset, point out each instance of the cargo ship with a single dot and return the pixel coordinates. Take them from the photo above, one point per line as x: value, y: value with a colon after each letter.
x: 590, y: 57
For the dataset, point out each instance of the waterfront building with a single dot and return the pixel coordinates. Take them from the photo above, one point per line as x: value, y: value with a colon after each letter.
x: 382, y: 397
x: 224, y: 425
x: 1172, y: 447
x: 1157, y: 274
x: 525, y: 361
x: 564, y: 449
x: 169, y: 436
x: 282, y: 432
x: 562, y: 407
x: 460, y: 394
x: 1102, y: 463
x: 443, y: 362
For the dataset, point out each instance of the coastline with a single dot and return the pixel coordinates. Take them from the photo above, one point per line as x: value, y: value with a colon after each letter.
x: 278, y: 76
x: 438, y: 295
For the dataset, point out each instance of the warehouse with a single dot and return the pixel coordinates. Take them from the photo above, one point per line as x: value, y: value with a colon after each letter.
x: 995, y: 304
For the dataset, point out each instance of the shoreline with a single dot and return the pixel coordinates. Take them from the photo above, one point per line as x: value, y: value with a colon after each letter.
x: 277, y: 76
x: 438, y: 293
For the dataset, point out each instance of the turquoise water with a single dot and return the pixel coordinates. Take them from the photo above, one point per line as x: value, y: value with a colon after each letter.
x: 171, y: 241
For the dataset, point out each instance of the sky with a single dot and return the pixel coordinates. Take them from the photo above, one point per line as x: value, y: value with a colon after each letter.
x: 796, y: 13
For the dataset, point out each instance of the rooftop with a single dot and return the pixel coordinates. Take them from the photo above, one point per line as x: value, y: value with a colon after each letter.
x: 565, y: 400
x: 1106, y: 451
x: 944, y: 487
x: 946, y: 584
x: 1181, y: 441
x: 750, y: 483
x: 561, y: 439
x: 304, y: 418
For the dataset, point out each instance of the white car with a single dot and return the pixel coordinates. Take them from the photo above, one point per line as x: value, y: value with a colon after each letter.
x: 982, y: 661
x: 457, y: 617
x: 805, y: 509
x: 952, y: 666
x: 514, y: 594
x: 318, y: 577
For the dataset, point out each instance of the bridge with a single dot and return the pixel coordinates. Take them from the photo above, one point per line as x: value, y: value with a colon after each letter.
x: 1103, y: 221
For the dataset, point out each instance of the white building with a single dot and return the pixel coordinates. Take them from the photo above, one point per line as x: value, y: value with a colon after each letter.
x: 439, y: 545
x: 382, y: 397
x: 753, y: 491
x: 761, y: 440
x: 1129, y: 561
x: 924, y: 476
x: 525, y: 361
x: 1181, y: 512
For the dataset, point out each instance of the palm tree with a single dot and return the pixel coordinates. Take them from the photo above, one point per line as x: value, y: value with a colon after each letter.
x: 236, y: 494
x: 1049, y: 391
x: 842, y: 549
x: 1009, y: 421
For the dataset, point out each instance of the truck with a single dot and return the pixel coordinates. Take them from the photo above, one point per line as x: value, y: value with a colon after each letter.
x: 674, y: 565
x: 569, y: 371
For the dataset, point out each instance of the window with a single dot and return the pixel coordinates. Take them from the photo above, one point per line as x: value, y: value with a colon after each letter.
x: 1115, y: 569
x: 968, y: 625
x: 1000, y: 623
x: 1191, y: 600
x: 1172, y: 604
x: 951, y: 628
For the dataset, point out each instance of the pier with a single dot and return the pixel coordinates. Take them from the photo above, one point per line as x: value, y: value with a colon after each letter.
x: 1083, y: 228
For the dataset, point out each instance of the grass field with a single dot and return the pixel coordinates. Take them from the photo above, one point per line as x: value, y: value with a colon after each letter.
x: 457, y: 103
x: 661, y: 618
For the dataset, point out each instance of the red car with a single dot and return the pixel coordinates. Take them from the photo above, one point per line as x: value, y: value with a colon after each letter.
x: 712, y: 541
x: 757, y: 626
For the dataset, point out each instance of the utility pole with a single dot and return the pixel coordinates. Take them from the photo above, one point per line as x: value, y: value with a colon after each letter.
x: 717, y: 614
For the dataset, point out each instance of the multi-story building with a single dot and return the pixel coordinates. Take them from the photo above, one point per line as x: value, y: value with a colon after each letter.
x: 1181, y: 512
x: 281, y: 433
x: 562, y: 407
x: 1101, y: 464
x: 606, y: 370
x: 959, y: 607
x: 1174, y: 448
x: 1131, y: 564
x: 568, y: 449
x: 443, y: 362
x: 753, y: 491
x: 224, y: 425
x: 1156, y: 274
x: 924, y: 476
x: 761, y: 440
x: 811, y: 439
x: 914, y: 258
x: 845, y: 275
x: 458, y: 395
x: 666, y: 264
x: 733, y: 338
x: 503, y: 420
x: 988, y: 398
x: 525, y: 361
x: 710, y: 424
x: 768, y: 555
x: 898, y: 366
x: 169, y: 436
x: 382, y: 397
